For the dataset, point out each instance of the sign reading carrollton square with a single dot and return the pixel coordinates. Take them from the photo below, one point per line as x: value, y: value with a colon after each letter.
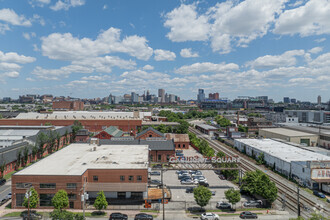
x: 197, y: 159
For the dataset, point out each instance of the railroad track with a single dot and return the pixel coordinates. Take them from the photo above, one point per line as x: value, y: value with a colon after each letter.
x: 285, y: 187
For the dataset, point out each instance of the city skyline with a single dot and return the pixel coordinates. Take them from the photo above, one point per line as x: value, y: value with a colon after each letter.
x: 60, y: 48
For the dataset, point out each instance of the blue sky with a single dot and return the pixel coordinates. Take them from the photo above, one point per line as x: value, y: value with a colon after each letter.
x: 91, y: 48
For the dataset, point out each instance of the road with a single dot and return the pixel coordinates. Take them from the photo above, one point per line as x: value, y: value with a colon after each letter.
x: 5, y: 189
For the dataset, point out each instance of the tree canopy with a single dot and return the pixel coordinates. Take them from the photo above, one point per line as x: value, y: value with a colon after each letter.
x: 257, y: 182
x: 100, y: 202
x: 34, y: 199
x: 223, y: 122
x: 202, y: 195
x: 60, y: 199
x: 233, y: 196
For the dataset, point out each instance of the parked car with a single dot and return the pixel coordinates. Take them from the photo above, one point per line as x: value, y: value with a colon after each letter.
x: 218, y: 172
x: 8, y: 196
x: 154, y: 173
x: 222, y: 177
x: 328, y: 200
x: 213, y: 193
x: 31, y: 216
x: 200, y: 181
x: 118, y: 215
x: 194, y: 171
x: 223, y: 205
x: 203, y: 184
x: 187, y: 182
x: 245, y: 215
x: 143, y: 216
x: 198, y: 173
x: 2, y: 182
x: 157, y: 166
x: 209, y: 216
x: 155, y: 182
x: 253, y: 203
x: 190, y: 190
x: 184, y: 175
x: 319, y: 194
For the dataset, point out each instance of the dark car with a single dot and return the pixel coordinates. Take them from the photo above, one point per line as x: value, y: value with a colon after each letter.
x: 31, y: 216
x: 2, y: 182
x: 319, y: 194
x: 143, y: 216
x: 245, y: 215
x: 203, y: 184
x: 154, y: 173
x: 223, y: 205
x: 190, y: 190
x: 155, y: 182
x: 118, y: 215
x: 158, y: 166
x: 222, y: 177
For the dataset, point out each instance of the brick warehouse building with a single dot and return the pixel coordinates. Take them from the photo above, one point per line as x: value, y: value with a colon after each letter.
x: 68, y: 105
x: 93, y: 121
x: 120, y: 171
x: 181, y: 141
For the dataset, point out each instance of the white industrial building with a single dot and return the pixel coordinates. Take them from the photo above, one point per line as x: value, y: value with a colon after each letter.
x: 306, y: 167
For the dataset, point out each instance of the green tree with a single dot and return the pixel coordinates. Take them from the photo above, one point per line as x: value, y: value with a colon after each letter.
x: 34, y: 151
x: 2, y: 167
x: 64, y: 214
x: 66, y: 136
x: 60, y: 199
x: 318, y: 216
x: 1, y: 116
x: 223, y: 122
x: 25, y: 155
x: 100, y: 202
x: 42, y: 139
x: 233, y: 196
x: 34, y: 199
x: 202, y: 195
x: 58, y: 140
x: 18, y: 158
x: 257, y: 182
x: 75, y: 128
x: 261, y: 159
x: 242, y: 128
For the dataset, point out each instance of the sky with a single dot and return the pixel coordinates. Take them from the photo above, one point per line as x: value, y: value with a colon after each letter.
x: 91, y: 48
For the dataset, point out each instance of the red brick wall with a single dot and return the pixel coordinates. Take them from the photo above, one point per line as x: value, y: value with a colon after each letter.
x: 68, y: 105
x: 103, y: 135
x: 149, y: 134
x: 154, y: 155
x: 91, y: 125
x: 113, y: 176
x: 179, y: 145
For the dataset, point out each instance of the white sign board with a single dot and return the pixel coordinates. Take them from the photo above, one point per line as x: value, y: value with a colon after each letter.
x: 320, y: 174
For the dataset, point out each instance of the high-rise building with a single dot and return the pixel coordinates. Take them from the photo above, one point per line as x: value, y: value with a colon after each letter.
x: 286, y: 100
x: 214, y: 96
x: 293, y: 101
x: 200, y: 96
x: 161, y: 94
x: 134, y: 97
x: 263, y: 98
x: 319, y: 100
x: 171, y: 98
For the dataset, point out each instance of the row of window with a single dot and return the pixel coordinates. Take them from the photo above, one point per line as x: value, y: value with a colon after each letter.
x: 159, y: 158
x: 45, y: 185
x: 131, y: 178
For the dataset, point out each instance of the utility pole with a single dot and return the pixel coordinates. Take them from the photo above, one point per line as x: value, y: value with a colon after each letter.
x: 298, y: 201
x: 162, y: 180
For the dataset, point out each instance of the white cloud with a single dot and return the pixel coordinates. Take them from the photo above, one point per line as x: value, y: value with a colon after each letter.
x: 313, y: 18
x: 186, y: 24
x: 4, y: 28
x: 10, y: 16
x: 207, y: 67
x: 272, y: 61
x: 164, y: 55
x: 39, y: 3
x: 28, y: 36
x: 186, y: 52
x: 316, y: 50
x: 144, y: 75
x: 148, y: 67
x: 66, y: 47
x: 30, y: 79
x: 66, y: 4
x: 320, y: 40
x: 105, y: 7
x: 12, y: 57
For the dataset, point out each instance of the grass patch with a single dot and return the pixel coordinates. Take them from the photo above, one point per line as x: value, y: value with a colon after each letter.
x: 150, y: 211
x: 19, y: 214
x: 8, y: 206
x: 92, y: 214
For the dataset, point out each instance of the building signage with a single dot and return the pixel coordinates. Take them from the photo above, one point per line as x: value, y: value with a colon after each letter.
x: 321, y: 174
x: 197, y: 159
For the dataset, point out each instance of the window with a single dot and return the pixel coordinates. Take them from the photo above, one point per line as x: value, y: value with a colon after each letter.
x: 151, y: 158
x: 71, y: 185
x: 168, y: 157
x: 72, y: 196
x: 122, y: 178
x: 130, y: 178
x: 95, y: 178
x: 46, y: 199
x: 150, y: 135
x: 183, y: 146
x: 19, y: 199
x: 23, y: 185
x: 159, y: 157
x: 179, y: 146
x: 136, y: 195
x: 47, y: 185
x: 139, y: 178
x: 303, y: 169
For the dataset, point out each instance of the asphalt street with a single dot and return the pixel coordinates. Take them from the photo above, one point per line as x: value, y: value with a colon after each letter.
x: 5, y: 189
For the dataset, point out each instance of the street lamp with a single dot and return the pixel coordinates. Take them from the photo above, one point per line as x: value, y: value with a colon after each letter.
x: 28, y: 194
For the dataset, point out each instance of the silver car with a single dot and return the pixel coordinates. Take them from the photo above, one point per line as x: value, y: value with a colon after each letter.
x: 209, y: 216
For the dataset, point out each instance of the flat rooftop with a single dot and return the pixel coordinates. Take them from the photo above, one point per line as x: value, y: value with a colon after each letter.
x: 75, y: 159
x: 82, y: 115
x: 206, y: 127
x: 287, y: 132
x: 283, y: 151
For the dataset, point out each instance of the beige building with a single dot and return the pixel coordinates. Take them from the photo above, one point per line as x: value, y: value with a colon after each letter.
x: 298, y: 137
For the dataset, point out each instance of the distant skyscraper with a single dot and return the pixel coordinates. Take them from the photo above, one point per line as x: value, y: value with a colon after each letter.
x: 293, y: 100
x: 134, y: 97
x: 286, y: 100
x: 200, y: 96
x: 319, y: 100
x: 161, y: 94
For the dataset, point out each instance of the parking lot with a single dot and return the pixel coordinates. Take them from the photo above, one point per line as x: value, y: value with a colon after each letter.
x: 178, y: 190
